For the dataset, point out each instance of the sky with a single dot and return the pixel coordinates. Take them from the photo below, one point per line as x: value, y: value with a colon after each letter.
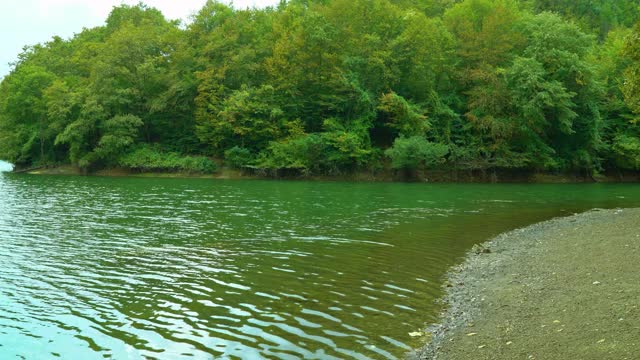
x: 28, y: 22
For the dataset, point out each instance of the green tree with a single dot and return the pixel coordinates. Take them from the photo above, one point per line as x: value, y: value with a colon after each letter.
x: 415, y: 153
x: 325, y: 87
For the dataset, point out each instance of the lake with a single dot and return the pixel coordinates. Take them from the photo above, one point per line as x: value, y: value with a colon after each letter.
x: 132, y: 268
x: 5, y: 166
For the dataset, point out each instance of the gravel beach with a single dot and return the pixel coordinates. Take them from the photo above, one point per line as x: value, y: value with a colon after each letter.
x: 568, y: 288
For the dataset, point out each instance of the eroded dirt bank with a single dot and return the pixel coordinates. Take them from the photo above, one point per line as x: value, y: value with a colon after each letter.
x: 567, y: 288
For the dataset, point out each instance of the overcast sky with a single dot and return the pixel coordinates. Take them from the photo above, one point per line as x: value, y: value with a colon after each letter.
x: 28, y: 22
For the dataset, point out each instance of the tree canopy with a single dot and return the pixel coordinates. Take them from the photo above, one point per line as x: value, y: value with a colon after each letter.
x: 334, y: 86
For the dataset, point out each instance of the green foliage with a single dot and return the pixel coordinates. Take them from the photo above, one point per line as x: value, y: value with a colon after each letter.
x: 416, y: 152
x: 627, y: 152
x: 119, y: 133
x: 81, y: 135
x: 307, y: 154
x: 631, y: 86
x: 148, y: 158
x: 238, y: 157
x: 401, y: 117
x: 247, y: 117
x: 599, y: 16
x: 325, y: 87
x: 485, y: 30
x: 537, y: 101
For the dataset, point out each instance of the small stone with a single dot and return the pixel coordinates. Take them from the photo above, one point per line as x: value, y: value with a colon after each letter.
x: 416, y: 334
x: 601, y: 341
x: 482, y: 346
x: 556, y: 321
x: 472, y: 334
x: 509, y: 342
x: 597, y: 283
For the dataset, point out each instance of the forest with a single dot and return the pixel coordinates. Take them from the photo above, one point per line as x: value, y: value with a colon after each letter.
x: 329, y: 87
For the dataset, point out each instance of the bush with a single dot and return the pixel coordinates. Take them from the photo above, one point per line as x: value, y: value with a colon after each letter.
x: 329, y: 152
x: 305, y: 153
x: 416, y: 152
x: 147, y: 158
x: 626, y: 151
x: 238, y: 157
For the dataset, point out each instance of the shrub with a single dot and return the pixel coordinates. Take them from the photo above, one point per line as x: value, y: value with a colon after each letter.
x: 416, y: 152
x: 318, y: 153
x: 626, y: 150
x: 147, y: 158
x: 305, y: 153
x: 238, y: 157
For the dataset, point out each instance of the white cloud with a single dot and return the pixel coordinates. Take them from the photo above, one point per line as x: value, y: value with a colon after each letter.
x: 27, y: 22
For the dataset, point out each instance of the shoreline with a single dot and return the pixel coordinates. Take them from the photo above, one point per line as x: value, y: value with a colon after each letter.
x: 560, y: 289
x: 436, y: 176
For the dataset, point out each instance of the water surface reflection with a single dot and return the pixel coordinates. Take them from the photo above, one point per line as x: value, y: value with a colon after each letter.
x: 169, y: 268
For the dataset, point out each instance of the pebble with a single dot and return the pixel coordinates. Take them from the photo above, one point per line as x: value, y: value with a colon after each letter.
x: 624, y: 309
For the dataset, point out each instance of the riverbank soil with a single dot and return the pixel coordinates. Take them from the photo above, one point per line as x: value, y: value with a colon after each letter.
x: 564, y: 289
x: 435, y: 176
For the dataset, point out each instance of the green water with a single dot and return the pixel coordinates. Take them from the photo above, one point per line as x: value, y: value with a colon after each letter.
x: 125, y: 268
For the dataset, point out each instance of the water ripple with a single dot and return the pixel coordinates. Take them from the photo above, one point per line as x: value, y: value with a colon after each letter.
x: 164, y: 269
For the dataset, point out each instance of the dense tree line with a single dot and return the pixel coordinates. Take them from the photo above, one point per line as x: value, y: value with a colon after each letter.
x: 334, y: 86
